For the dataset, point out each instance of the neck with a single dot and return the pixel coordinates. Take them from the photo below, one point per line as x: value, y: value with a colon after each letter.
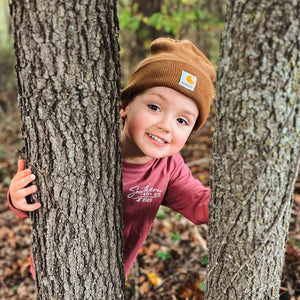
x: 129, y: 153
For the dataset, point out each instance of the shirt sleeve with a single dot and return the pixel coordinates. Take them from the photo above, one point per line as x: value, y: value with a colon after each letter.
x: 186, y: 195
x: 20, y: 213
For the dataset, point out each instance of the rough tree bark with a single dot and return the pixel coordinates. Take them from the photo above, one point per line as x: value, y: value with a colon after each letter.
x: 68, y: 77
x: 256, y: 149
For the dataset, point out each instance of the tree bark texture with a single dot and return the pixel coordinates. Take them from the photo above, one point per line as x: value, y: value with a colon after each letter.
x: 68, y: 76
x: 255, y: 149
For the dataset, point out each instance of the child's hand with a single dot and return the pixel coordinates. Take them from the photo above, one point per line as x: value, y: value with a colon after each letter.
x: 18, y: 189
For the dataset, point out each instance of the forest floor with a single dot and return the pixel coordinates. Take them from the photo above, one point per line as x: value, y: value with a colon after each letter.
x: 171, y: 264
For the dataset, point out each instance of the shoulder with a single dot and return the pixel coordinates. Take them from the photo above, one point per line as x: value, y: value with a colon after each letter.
x: 171, y: 163
x: 177, y: 167
x: 177, y: 158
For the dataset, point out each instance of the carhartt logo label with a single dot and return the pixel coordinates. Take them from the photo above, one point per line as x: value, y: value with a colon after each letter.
x: 188, y: 80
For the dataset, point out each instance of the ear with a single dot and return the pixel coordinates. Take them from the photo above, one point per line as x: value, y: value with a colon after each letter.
x: 123, y: 113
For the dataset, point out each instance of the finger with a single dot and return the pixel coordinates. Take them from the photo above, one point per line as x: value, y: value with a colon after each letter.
x: 21, y: 175
x: 21, y: 194
x: 23, y: 205
x: 19, y: 200
x: 21, y: 183
x: 34, y: 206
x: 21, y: 165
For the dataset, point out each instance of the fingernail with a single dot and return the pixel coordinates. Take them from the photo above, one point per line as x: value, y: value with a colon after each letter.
x: 32, y: 176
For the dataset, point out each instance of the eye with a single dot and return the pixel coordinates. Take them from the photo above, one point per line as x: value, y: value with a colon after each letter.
x: 153, y: 107
x: 182, y: 121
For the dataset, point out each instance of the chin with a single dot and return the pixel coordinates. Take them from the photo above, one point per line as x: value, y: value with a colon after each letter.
x: 158, y: 155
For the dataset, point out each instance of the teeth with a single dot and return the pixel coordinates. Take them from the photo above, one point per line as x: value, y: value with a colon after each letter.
x: 157, y: 139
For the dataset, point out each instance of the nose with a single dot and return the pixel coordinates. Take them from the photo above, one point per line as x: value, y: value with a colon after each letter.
x: 165, y: 124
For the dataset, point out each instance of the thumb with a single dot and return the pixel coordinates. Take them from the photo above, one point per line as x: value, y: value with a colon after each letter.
x: 21, y: 165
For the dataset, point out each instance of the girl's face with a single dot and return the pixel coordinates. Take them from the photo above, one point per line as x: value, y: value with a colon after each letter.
x: 157, y: 124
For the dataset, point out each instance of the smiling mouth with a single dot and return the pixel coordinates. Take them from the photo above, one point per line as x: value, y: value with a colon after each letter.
x: 157, y: 139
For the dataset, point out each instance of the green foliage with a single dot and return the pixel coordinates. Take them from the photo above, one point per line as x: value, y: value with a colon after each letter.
x: 177, y: 216
x: 7, y: 59
x: 1, y: 152
x: 166, y: 213
x: 200, y: 21
x: 295, y: 242
x: 129, y: 20
x: 8, y: 75
x: 163, y: 255
x: 202, y: 287
x: 161, y: 214
x: 2, y: 172
x: 174, y: 21
x: 204, y: 260
x: 175, y: 236
x: 6, y: 40
x: 175, y: 17
x: 15, y: 288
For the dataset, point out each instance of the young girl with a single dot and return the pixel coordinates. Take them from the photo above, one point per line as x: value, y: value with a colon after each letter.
x: 167, y: 97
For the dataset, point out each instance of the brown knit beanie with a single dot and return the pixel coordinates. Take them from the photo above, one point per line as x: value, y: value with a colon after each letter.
x: 178, y: 65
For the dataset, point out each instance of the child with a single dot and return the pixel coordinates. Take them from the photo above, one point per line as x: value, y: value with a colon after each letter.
x: 168, y: 96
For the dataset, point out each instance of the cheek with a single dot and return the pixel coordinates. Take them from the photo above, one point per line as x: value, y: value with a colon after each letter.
x: 181, y: 143
x: 181, y: 139
x: 135, y: 124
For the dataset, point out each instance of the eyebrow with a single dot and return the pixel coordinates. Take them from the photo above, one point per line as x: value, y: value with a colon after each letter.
x: 190, y: 113
x: 158, y: 95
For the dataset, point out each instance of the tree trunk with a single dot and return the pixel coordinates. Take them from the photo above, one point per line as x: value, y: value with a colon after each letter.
x: 147, y: 8
x: 256, y: 149
x: 68, y: 78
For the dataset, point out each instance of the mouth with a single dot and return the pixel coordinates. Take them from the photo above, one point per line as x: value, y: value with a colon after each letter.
x: 157, y: 139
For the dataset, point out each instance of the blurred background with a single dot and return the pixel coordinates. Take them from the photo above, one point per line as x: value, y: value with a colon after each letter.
x: 171, y: 264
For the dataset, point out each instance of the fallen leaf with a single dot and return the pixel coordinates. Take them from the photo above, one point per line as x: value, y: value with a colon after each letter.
x: 154, y: 278
x: 145, y: 288
x: 149, y: 251
x: 24, y: 266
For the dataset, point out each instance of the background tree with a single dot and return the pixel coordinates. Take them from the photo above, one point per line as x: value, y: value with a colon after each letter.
x: 68, y: 80
x: 256, y: 149
x: 142, y: 21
